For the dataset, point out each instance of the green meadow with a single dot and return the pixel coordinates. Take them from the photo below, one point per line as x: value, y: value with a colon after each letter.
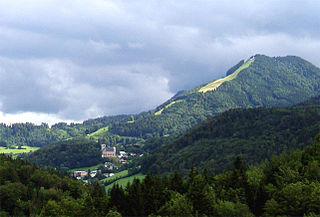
x: 24, y: 149
x: 87, y: 168
x: 167, y: 106
x: 215, y: 84
x: 124, y: 181
x: 99, y: 132
x: 116, y: 176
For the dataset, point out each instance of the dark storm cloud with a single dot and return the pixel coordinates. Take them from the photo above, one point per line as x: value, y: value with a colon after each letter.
x: 79, y: 59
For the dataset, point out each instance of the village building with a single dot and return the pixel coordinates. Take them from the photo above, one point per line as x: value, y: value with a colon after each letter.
x: 93, y: 173
x: 80, y: 174
x: 103, y: 146
x: 123, y: 154
x: 109, y: 152
x: 109, y: 165
x: 108, y: 174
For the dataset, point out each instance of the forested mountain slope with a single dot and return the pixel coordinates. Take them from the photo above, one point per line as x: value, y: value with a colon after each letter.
x: 256, y: 134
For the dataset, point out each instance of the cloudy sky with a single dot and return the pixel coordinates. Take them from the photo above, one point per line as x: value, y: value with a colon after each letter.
x: 72, y: 60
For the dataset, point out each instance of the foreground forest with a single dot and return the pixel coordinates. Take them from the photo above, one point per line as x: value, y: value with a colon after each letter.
x: 26, y: 190
x: 287, y: 185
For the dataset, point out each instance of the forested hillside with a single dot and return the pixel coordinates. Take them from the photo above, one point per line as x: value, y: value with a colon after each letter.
x: 288, y: 185
x: 255, y: 134
x: 68, y: 154
x: 42, y: 135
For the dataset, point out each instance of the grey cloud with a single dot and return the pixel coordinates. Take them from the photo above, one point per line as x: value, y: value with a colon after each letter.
x: 75, y: 93
x: 78, y: 59
x: 114, y: 90
x: 21, y: 89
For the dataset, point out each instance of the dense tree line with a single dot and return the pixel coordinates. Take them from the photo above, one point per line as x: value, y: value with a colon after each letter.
x: 288, y: 185
x: 68, y: 154
x: 30, y: 134
x: 255, y: 134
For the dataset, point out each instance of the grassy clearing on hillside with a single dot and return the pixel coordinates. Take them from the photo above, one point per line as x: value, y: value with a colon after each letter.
x: 215, y: 84
x: 25, y: 149
x: 123, y: 182
x: 132, y: 120
x: 99, y: 132
x: 116, y: 176
x: 88, y: 168
x: 167, y: 106
x: 159, y: 112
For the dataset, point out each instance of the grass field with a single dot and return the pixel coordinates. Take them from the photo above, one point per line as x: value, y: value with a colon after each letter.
x: 99, y: 132
x: 87, y: 168
x: 26, y: 149
x: 167, y: 106
x: 215, y: 84
x: 116, y: 176
x: 132, y: 120
x: 123, y: 182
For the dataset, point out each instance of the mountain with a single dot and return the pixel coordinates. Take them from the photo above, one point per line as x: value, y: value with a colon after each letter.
x: 255, y: 134
x: 260, y: 81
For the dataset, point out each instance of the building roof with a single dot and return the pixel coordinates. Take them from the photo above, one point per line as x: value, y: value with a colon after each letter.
x: 113, y: 149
